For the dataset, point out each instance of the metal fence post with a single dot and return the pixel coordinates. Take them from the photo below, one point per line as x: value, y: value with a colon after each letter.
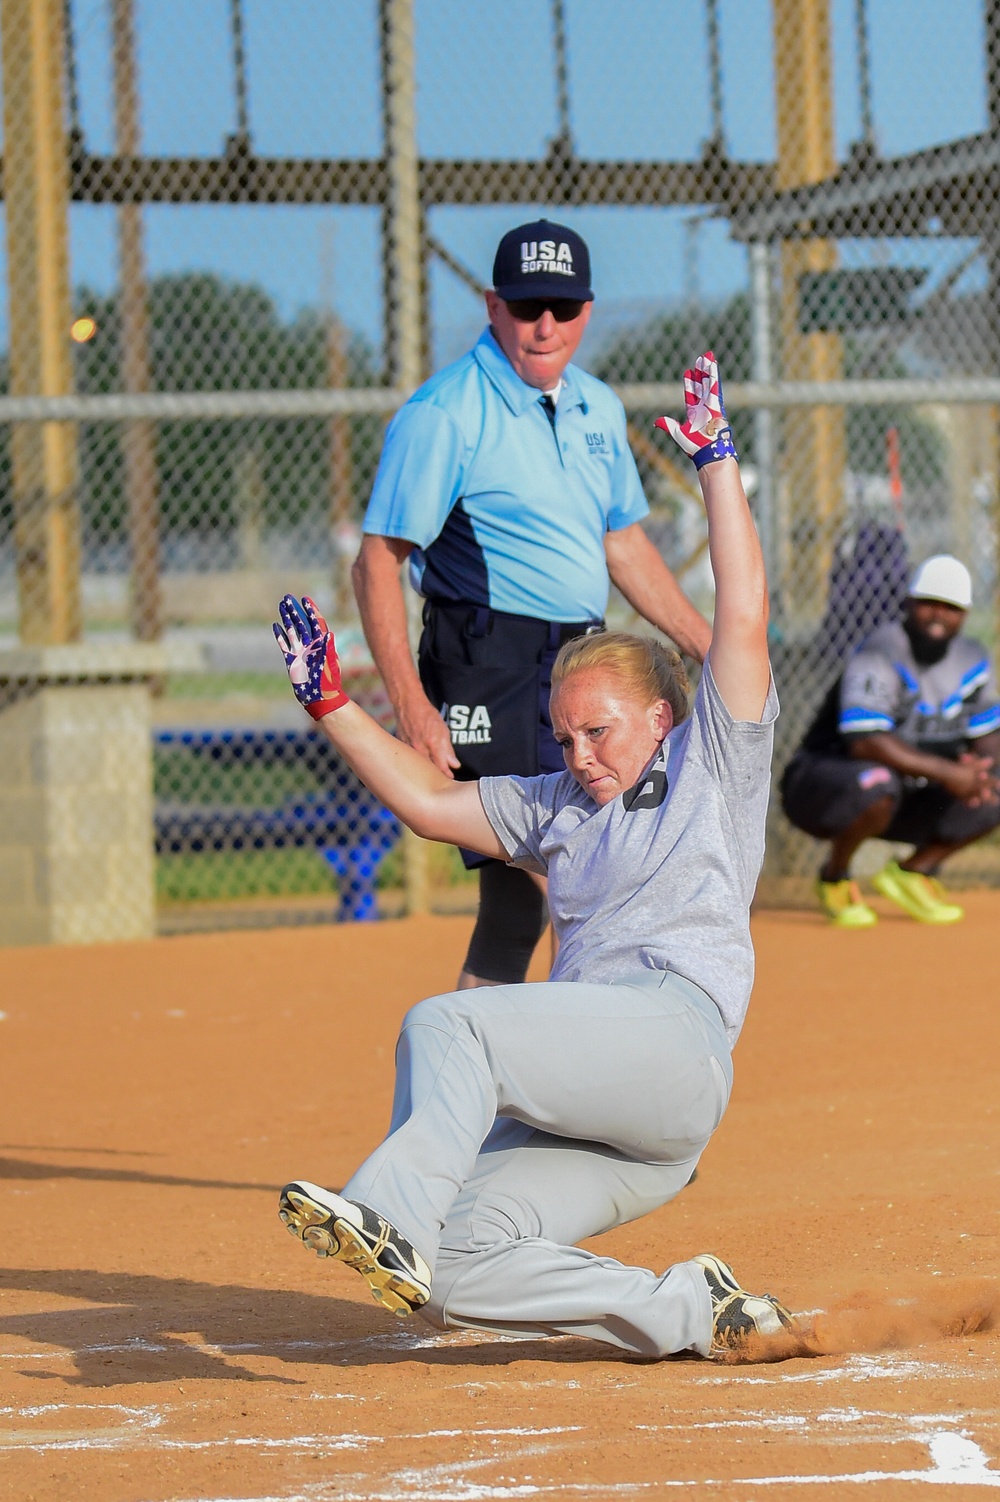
x: 401, y: 215
x: 139, y: 436
x: 814, y: 469
x: 343, y: 533
x: 402, y: 258
x: 762, y: 364
x: 991, y: 19
x: 36, y: 187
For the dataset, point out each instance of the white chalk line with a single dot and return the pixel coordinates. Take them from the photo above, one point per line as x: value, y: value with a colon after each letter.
x: 395, y: 1341
x: 888, y: 1366
x: 137, y: 1433
x: 138, y: 1421
x: 955, y: 1459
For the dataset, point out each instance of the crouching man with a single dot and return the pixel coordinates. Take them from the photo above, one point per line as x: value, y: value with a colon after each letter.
x: 904, y: 748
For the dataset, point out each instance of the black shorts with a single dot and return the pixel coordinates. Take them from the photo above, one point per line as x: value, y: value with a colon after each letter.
x: 490, y: 674
x: 823, y: 795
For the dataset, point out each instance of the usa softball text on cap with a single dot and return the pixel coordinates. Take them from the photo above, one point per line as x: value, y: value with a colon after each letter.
x: 546, y: 255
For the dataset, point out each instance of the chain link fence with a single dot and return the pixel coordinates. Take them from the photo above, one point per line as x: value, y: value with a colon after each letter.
x: 236, y: 236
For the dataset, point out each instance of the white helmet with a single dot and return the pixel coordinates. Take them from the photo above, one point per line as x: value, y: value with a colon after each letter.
x: 943, y: 578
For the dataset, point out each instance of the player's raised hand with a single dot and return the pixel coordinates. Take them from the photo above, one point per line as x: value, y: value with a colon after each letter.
x: 307, y: 645
x: 705, y: 434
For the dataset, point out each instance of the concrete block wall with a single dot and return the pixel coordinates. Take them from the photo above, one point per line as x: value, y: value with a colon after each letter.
x: 76, y: 814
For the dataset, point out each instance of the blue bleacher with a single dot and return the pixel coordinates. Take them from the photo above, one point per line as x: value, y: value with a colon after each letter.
x: 345, y: 823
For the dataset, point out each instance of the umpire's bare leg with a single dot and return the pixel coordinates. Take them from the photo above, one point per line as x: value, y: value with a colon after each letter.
x: 615, y: 1091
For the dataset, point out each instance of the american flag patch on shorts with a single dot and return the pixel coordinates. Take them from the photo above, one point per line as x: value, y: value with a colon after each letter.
x: 872, y: 776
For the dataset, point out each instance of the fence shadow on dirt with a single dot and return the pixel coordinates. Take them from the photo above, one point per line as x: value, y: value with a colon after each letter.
x: 24, y: 1168
x: 141, y: 1328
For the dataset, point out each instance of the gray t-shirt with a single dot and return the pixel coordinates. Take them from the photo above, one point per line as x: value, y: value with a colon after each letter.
x: 662, y: 877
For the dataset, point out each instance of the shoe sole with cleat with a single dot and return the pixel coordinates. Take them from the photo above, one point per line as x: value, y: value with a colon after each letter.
x: 326, y: 1232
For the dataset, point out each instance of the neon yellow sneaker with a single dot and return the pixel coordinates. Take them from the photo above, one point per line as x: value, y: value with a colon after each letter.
x: 923, y: 897
x: 844, y: 905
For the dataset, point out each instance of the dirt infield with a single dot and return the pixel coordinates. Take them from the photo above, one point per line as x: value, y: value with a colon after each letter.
x: 161, y: 1336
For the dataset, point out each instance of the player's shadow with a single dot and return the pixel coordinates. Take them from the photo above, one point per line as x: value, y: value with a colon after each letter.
x: 26, y: 1169
x: 140, y: 1328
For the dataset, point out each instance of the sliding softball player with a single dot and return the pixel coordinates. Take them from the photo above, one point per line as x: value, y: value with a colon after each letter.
x: 530, y: 1117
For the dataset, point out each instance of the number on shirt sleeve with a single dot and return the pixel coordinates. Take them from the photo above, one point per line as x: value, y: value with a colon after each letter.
x: 870, y: 695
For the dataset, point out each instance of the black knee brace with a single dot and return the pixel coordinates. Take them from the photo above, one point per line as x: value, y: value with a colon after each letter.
x: 512, y: 917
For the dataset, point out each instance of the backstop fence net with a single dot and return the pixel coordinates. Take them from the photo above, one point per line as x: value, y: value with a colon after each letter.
x: 238, y: 235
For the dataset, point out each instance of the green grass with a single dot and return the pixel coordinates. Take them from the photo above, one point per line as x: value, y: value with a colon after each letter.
x: 239, y: 875
x: 183, y: 776
x: 231, y: 876
x: 221, y: 685
x: 446, y: 869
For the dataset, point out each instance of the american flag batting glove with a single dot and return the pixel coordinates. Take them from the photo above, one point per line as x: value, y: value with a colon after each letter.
x: 306, y: 643
x: 705, y: 434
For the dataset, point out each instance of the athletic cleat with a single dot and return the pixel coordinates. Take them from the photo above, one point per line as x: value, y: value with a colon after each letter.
x: 844, y: 905
x: 923, y: 897
x: 737, y: 1316
x: 331, y: 1226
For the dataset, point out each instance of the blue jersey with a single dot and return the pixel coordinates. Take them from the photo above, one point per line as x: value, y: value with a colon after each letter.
x: 507, y: 506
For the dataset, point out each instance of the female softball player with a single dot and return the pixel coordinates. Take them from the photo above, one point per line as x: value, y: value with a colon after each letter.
x: 529, y: 1117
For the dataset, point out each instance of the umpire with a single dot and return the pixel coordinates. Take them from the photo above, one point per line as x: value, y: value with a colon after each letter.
x: 507, y: 483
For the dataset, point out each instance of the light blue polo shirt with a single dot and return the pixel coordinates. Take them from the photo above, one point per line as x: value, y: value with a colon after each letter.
x: 506, y: 507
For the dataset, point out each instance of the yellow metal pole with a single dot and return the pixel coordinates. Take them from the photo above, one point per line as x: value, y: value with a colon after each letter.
x: 403, y: 281
x: 139, y: 433
x: 341, y: 477
x: 816, y: 457
x: 341, y: 500
x: 402, y: 247
x: 36, y: 184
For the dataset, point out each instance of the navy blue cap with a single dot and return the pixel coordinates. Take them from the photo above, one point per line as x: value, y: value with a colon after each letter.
x: 542, y: 259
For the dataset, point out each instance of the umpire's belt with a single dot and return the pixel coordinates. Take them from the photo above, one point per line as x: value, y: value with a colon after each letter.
x: 478, y: 621
x: 496, y: 669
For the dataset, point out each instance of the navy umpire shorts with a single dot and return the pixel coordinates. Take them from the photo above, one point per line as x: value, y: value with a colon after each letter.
x: 490, y: 674
x: 823, y: 795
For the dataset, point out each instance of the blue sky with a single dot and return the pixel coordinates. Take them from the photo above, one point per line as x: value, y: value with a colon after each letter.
x: 485, y: 87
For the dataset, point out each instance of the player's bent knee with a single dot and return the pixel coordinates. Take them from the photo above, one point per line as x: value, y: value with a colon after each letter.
x: 825, y: 797
x: 991, y: 817
x: 441, y: 1012
x: 962, y: 823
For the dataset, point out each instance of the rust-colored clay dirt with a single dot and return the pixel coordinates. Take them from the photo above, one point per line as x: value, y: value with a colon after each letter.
x: 162, y: 1337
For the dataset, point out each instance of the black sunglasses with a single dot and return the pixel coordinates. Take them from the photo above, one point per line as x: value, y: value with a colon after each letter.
x: 530, y: 309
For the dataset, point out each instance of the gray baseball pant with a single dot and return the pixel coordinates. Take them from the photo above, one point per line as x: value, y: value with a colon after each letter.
x: 529, y: 1117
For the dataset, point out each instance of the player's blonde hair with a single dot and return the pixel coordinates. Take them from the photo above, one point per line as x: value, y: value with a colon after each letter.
x: 649, y: 670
